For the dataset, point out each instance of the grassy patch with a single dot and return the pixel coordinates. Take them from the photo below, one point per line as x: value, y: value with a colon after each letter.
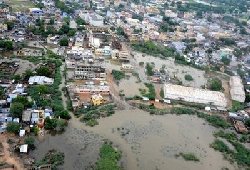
x: 54, y: 158
x: 109, y: 158
x: 118, y: 75
x: 189, y: 157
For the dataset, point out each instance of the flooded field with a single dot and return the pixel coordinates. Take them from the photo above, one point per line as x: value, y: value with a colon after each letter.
x: 81, y: 149
x: 151, y: 142
x: 173, y: 69
x: 130, y: 86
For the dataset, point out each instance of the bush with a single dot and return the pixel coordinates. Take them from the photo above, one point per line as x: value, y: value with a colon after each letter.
x: 118, y: 75
x: 149, y: 70
x: 236, y: 106
x: 50, y: 124
x: 189, y: 157
x: 30, y: 141
x: 220, y: 146
x: 13, y: 127
x: 215, y: 84
x: 16, y: 109
x: 53, y: 157
x: 188, y: 77
x: 92, y: 122
x: 109, y: 158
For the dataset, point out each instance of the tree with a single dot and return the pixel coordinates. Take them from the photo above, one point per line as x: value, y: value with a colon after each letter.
x: 2, y: 93
x: 71, y: 32
x: 16, y: 109
x: 188, y: 77
x: 50, y: 124
x: 149, y: 70
x: 10, y: 25
x: 64, y: 42
x: 216, y: 84
x: 23, y: 100
x: 30, y: 141
x: 28, y: 73
x: 43, y: 71
x: 80, y: 21
x: 13, y: 127
x: 6, y: 45
x: 225, y: 60
x: 247, y: 122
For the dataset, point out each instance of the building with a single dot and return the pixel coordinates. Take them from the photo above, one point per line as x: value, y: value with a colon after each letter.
x: 40, y: 80
x: 191, y: 94
x: 89, y: 71
x: 237, y: 89
x: 97, y: 100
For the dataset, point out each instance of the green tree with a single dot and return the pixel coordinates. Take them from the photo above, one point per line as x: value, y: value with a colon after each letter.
x: 149, y: 70
x: 30, y: 141
x: 23, y: 100
x: 10, y: 25
x: 225, y: 60
x: 64, y: 42
x: 43, y: 71
x: 13, y: 127
x: 216, y: 84
x: 188, y: 77
x: 16, y: 109
x: 80, y: 21
x: 28, y: 73
x: 71, y: 32
x: 247, y: 122
x: 50, y: 124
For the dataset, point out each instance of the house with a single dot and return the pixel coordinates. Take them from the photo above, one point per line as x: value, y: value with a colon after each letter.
x: 26, y: 115
x: 97, y: 100
x: 24, y: 148
x: 19, y: 89
x: 127, y: 67
x: 41, y: 80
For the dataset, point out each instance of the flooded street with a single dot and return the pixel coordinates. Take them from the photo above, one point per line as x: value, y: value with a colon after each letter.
x: 151, y: 142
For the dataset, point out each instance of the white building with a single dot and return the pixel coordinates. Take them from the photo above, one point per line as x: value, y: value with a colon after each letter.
x: 40, y: 80
x: 191, y: 94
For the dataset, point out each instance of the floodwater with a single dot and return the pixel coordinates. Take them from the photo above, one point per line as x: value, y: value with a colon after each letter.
x: 172, y: 69
x: 151, y: 142
x: 81, y: 148
x: 131, y: 86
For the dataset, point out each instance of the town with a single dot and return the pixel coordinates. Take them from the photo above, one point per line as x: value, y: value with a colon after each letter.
x: 70, y: 66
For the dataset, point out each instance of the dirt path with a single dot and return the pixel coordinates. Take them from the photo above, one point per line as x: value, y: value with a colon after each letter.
x: 7, y: 157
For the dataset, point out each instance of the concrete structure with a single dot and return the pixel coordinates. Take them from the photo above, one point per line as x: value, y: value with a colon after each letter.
x: 40, y: 80
x: 89, y: 71
x: 190, y: 94
x: 97, y: 100
x: 237, y: 89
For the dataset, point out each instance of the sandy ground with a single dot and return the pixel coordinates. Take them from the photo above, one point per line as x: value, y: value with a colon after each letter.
x: 172, y: 69
x: 7, y: 156
x: 151, y: 142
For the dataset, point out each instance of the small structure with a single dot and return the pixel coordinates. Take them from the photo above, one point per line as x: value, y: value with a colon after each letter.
x: 26, y: 115
x: 240, y: 127
x: 237, y: 89
x: 24, y: 148
x: 40, y: 80
x: 97, y: 100
x: 21, y: 133
x: 127, y: 66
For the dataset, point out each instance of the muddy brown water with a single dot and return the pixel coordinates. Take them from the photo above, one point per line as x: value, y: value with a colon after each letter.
x: 147, y: 142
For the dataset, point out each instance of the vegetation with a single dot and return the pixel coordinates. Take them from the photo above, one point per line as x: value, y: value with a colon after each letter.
x: 30, y: 141
x: 225, y: 60
x: 64, y: 41
x: 118, y: 75
x: 16, y: 109
x: 6, y: 45
x: 188, y: 77
x: 188, y: 157
x: 236, y: 106
x: 109, y: 158
x: 220, y: 146
x: 151, y: 48
x: 90, y: 114
x: 13, y: 127
x: 149, y: 70
x: 151, y: 91
x: 162, y: 93
x: 54, y: 158
x: 215, y: 84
